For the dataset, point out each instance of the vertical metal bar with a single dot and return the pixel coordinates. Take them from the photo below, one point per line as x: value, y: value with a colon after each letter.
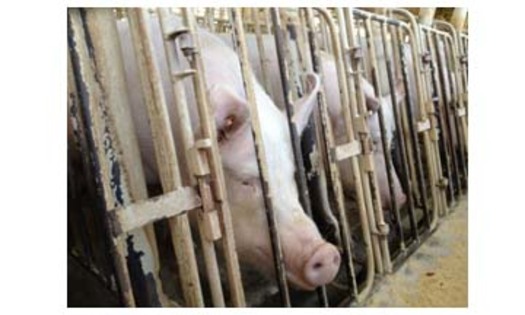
x: 404, y: 123
x: 444, y: 159
x: 165, y: 152
x: 433, y: 157
x: 208, y: 131
x: 456, y: 123
x: 333, y: 178
x: 443, y: 69
x: 90, y: 97
x: 208, y: 249
x: 264, y: 60
x: 424, y: 111
x: 399, y: 136
x: 284, y: 60
x: 413, y: 134
x: 247, y: 76
x: 380, y: 115
x: 367, y: 181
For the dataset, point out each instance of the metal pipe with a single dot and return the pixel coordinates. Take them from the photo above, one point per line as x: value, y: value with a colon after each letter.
x: 435, y: 84
x: 413, y: 133
x: 264, y: 60
x: 459, y: 16
x: 367, y: 189
x: 346, y: 31
x: 400, y: 139
x: 439, y: 78
x: 247, y: 76
x: 333, y: 178
x: 165, y: 152
x: 386, y: 152
x: 208, y: 131
x: 287, y: 74
x: 90, y: 98
x: 208, y: 249
x: 426, y: 15
x: 425, y: 110
x: 428, y: 76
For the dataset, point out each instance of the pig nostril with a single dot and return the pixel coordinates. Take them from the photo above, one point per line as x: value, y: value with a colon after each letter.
x: 318, y: 265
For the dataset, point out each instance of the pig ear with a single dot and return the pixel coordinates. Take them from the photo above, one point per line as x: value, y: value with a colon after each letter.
x: 305, y: 105
x: 230, y: 111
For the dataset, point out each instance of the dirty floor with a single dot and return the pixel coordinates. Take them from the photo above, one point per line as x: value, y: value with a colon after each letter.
x: 436, y: 275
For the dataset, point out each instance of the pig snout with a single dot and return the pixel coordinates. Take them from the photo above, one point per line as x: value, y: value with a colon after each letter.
x: 322, y: 266
x: 310, y: 260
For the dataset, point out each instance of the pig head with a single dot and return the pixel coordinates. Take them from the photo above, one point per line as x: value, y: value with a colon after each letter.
x: 309, y: 260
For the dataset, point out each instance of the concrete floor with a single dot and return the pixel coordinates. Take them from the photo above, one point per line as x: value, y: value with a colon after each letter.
x: 436, y: 275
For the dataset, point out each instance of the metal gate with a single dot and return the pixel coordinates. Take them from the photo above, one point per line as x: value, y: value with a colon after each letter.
x: 336, y: 173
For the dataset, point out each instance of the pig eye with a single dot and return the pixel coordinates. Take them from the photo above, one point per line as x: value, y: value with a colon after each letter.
x: 222, y: 134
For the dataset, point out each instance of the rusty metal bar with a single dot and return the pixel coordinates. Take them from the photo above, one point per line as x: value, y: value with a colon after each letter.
x: 93, y: 102
x: 144, y: 212
x: 165, y: 152
x: 247, y: 76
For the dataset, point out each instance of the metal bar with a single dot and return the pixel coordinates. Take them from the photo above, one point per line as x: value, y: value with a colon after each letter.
x: 399, y: 136
x: 287, y: 74
x: 208, y: 131
x: 434, y: 156
x: 366, y: 187
x: 443, y: 158
x: 424, y: 110
x: 90, y: 98
x: 264, y: 60
x: 392, y: 58
x: 333, y: 178
x: 412, y: 130
x: 442, y: 70
x: 456, y: 123
x: 247, y: 76
x: 141, y: 213
x: 283, y: 57
x: 370, y: 190
x: 165, y: 152
x: 206, y: 217
x: 380, y: 115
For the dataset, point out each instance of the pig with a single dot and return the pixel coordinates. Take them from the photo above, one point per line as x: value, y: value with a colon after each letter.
x: 331, y: 85
x: 310, y: 261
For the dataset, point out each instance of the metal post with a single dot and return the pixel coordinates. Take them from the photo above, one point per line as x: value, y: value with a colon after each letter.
x: 247, y: 76
x: 165, y: 152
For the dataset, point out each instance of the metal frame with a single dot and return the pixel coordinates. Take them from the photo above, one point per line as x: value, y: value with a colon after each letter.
x: 98, y: 109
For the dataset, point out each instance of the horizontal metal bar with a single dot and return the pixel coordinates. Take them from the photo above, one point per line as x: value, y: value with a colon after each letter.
x: 138, y: 214
x: 347, y: 150
x: 375, y: 17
